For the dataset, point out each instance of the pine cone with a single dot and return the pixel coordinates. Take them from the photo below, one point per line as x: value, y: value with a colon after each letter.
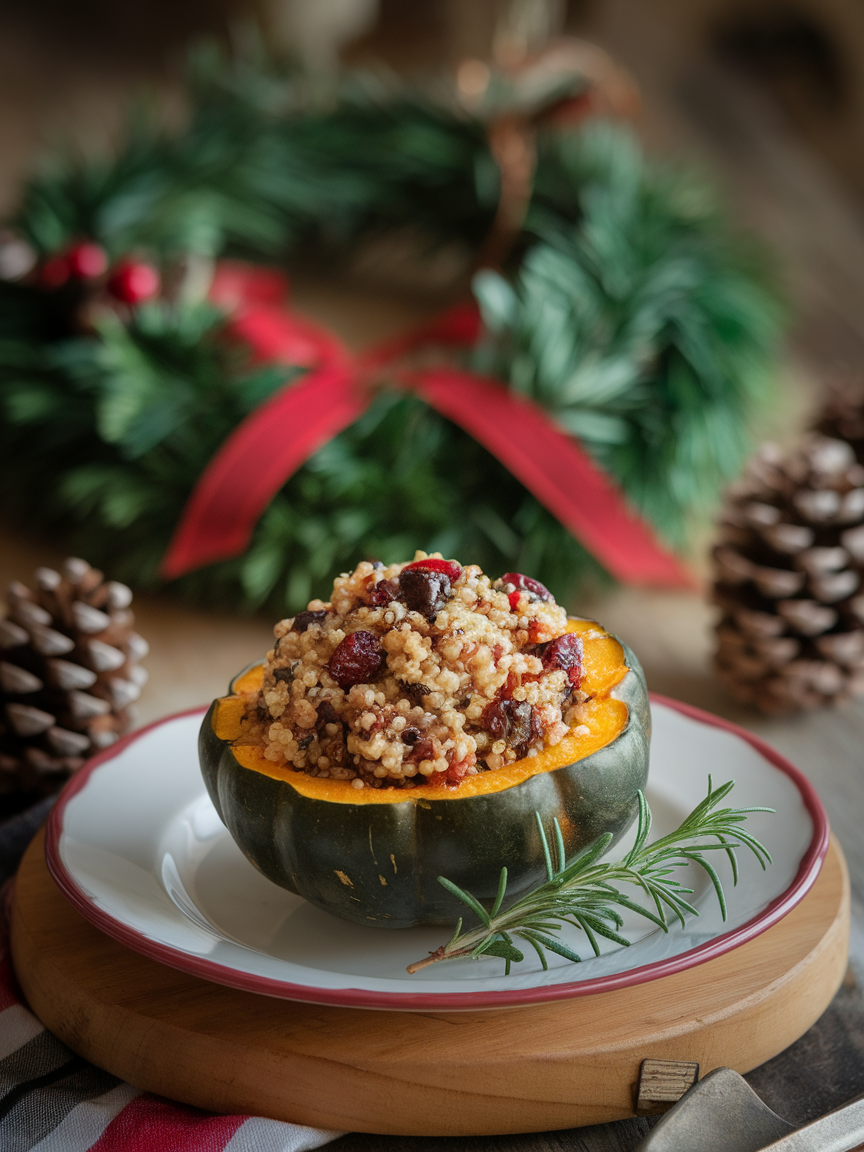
x: 842, y: 418
x: 788, y: 579
x: 68, y: 675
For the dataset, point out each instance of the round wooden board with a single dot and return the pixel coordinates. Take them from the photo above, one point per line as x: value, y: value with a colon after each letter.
x: 559, y: 1065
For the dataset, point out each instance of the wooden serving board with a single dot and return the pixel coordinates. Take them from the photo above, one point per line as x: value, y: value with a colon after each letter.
x: 559, y: 1065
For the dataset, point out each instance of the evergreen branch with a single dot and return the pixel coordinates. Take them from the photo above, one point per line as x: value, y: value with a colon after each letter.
x: 586, y: 893
x: 629, y: 311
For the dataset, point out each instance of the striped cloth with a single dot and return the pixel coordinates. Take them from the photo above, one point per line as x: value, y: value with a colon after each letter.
x: 54, y: 1101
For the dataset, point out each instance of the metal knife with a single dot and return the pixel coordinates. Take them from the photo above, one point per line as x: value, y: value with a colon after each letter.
x: 722, y: 1113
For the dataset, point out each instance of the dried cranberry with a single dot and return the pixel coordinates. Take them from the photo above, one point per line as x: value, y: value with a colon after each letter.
x: 495, y: 719
x: 382, y: 593
x: 536, y: 726
x: 424, y: 749
x: 303, y: 619
x: 448, y: 568
x: 566, y: 653
x: 356, y: 660
x: 524, y: 584
x: 455, y: 774
x: 424, y: 590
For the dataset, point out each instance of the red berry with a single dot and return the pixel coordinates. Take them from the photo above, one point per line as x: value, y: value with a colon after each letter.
x: 54, y: 272
x: 356, y: 660
x: 133, y: 282
x: 448, y: 568
x: 86, y: 261
x: 524, y: 584
x: 566, y: 653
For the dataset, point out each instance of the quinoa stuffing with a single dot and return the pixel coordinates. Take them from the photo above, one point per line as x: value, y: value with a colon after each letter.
x: 418, y: 674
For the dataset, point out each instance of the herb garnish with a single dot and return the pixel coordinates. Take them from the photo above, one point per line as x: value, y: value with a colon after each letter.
x: 584, y: 893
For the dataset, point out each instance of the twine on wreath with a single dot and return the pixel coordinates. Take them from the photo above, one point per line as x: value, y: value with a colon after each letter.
x: 607, y: 90
x: 512, y: 141
x: 272, y: 442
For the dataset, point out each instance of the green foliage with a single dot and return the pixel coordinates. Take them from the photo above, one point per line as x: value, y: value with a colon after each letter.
x: 586, y: 894
x: 643, y: 326
x: 629, y: 312
x: 260, y: 166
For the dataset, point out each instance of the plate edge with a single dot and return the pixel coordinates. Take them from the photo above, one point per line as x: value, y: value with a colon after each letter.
x: 805, y: 877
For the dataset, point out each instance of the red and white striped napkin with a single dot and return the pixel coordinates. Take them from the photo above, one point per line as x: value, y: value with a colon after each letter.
x: 54, y: 1101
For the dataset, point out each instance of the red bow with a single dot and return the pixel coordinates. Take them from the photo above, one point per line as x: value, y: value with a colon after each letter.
x: 283, y: 432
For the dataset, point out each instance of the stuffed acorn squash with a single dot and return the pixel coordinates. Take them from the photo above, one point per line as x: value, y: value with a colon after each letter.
x: 288, y: 756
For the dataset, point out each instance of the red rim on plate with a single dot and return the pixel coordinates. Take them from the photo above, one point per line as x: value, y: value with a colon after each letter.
x: 805, y: 877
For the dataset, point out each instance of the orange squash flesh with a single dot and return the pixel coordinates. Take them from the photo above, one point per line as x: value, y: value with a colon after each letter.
x: 326, y: 840
x: 603, y: 667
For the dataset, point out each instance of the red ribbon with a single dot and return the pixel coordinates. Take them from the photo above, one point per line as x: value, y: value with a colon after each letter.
x: 283, y: 432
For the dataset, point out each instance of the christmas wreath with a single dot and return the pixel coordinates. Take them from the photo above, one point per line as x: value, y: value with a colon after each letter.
x: 619, y: 333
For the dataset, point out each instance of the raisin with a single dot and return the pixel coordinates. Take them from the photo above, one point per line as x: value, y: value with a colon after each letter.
x: 521, y: 583
x: 520, y: 725
x: 566, y: 653
x: 383, y: 593
x: 303, y: 619
x: 509, y: 720
x: 448, y: 568
x: 283, y: 675
x: 357, y: 659
x: 326, y: 714
x: 423, y: 590
x: 414, y: 692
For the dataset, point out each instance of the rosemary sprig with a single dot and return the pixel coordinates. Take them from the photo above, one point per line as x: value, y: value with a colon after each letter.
x: 586, y: 893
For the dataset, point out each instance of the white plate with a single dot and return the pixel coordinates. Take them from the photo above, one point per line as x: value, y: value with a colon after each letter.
x: 137, y: 847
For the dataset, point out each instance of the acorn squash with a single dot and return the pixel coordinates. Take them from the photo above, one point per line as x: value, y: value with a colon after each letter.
x: 374, y: 856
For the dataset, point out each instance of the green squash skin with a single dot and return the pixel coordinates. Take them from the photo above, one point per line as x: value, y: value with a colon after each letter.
x: 378, y: 864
